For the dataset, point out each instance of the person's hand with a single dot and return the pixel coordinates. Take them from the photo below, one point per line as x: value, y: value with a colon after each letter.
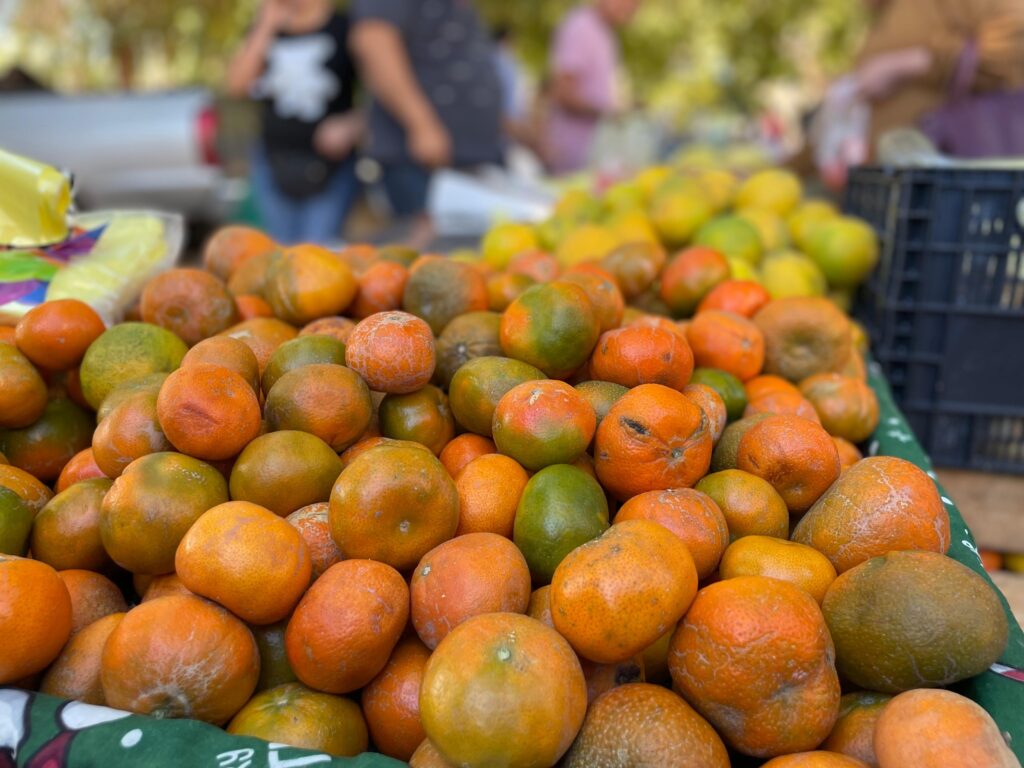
x: 879, y: 76
x: 1000, y: 42
x: 429, y: 144
x: 273, y: 14
x: 337, y: 136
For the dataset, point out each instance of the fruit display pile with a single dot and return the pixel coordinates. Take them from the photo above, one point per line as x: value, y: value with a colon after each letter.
x: 594, y: 505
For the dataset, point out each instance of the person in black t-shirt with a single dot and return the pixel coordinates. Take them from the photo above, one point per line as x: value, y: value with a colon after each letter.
x: 295, y: 60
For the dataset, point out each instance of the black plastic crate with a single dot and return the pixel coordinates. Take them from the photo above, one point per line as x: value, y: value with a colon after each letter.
x: 945, y: 308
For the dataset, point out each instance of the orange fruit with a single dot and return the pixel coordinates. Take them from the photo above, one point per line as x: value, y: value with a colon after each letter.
x: 227, y: 353
x: 262, y: 335
x: 879, y: 505
x: 293, y: 714
x: 66, y: 532
x: 129, y: 431
x: 489, y: 489
x: 249, y: 307
x: 440, y: 289
x: 744, y: 297
x: 461, y: 450
x: 913, y: 619
x: 55, y: 334
x: 711, y: 404
x: 329, y: 401
x: 148, y: 383
x: 929, y: 729
x: 854, y: 732
x: 391, y: 701
x: 561, y: 507
x: 22, y: 389
x: 603, y: 677
x: 503, y: 684
x: 180, y: 656
x: 309, y: 282
x: 849, y: 454
x: 539, y: 423
x: 640, y: 724
x: 230, y: 246
x: 474, y: 334
x: 250, y: 278
x: 640, y: 354
x: 161, y: 586
x: 27, y: 487
x: 614, y: 596
x: 551, y: 326
x: 691, y: 515
x: 82, y: 466
x: 846, y: 406
x: 381, y: 286
x: 803, y: 336
x: 93, y: 596
x: 422, y: 417
x: 346, y: 625
x: 539, y: 607
x: 478, y: 385
x: 774, y: 395
x: 540, y: 266
x: 284, y: 471
x: 151, y: 506
x: 601, y: 395
x: 689, y: 276
x: 35, y: 617
x: 274, y: 667
x: 44, y: 447
x: 750, y: 505
x: 634, y: 266
x: 728, y: 342
x: 75, y: 674
x: 208, y: 412
x: 816, y: 759
x: 312, y: 524
x: 339, y: 328
x: 190, y: 303
x: 465, y: 577
x: 795, y: 455
x: 603, y: 292
x: 371, y: 512
x: 247, y: 559
x: 392, y: 351
x: 506, y: 287
x: 652, y: 438
x: 777, y: 558
x: 753, y: 655
x: 300, y: 352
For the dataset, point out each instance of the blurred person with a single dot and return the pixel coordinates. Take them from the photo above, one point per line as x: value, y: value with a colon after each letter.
x: 922, y: 64
x: 583, y: 67
x: 295, y: 60
x: 437, y: 98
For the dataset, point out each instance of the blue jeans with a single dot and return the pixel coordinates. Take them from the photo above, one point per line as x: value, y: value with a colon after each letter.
x: 315, y: 219
x: 406, y: 185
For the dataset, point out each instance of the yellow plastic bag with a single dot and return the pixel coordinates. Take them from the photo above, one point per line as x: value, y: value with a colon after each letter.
x: 34, y: 201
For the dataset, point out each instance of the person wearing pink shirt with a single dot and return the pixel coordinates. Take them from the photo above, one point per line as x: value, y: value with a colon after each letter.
x: 584, y: 63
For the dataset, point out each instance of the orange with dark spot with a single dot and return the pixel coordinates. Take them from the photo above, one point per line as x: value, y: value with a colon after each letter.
x: 208, y: 412
x: 795, y: 455
x: 190, y: 303
x: 653, y: 438
x: 744, y: 297
x: 35, y: 617
x: 617, y: 594
x: 489, y: 489
x: 457, y: 455
x: 642, y: 355
x: 346, y: 625
x: 93, y: 596
x: 391, y: 702
x: 380, y: 289
x: 247, y: 559
x: 392, y: 351
x: 180, y: 656
x: 879, y: 505
x: 312, y: 525
x: 728, y: 342
x: 55, y: 334
x: 75, y: 674
x: 754, y: 656
x: 713, y: 406
x: 539, y: 423
x: 691, y: 515
x: 393, y: 503
x: 689, y: 276
x: 326, y: 400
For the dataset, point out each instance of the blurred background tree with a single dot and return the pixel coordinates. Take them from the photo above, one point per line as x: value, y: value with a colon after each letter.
x: 683, y: 55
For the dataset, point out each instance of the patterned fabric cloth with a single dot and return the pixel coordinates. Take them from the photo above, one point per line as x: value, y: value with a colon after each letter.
x: 25, y: 273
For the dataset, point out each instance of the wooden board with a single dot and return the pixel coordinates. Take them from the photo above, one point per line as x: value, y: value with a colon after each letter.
x: 992, y: 505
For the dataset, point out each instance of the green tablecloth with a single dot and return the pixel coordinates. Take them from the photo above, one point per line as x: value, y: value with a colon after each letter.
x: 36, y: 727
